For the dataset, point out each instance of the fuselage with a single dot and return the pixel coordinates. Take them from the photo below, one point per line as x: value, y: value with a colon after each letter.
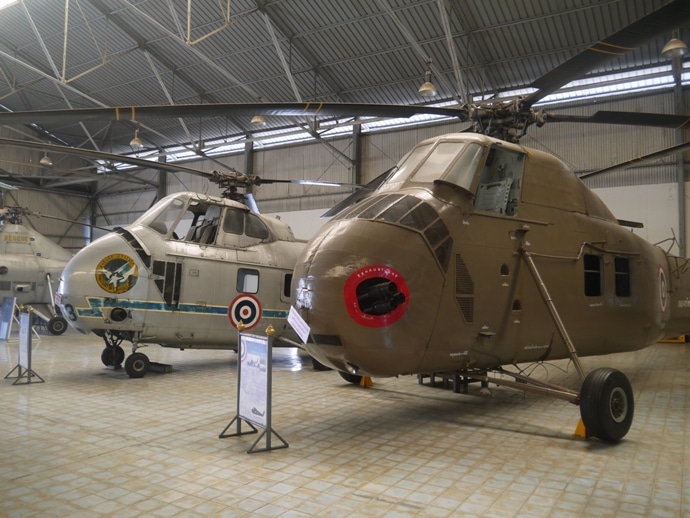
x: 30, y: 264
x: 431, y: 273
x: 184, y: 275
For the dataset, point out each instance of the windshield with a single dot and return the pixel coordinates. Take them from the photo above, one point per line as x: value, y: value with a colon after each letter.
x: 164, y: 214
x: 453, y: 162
x: 406, y: 167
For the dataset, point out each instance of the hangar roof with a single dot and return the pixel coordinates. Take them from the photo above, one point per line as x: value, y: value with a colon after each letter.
x: 98, y: 53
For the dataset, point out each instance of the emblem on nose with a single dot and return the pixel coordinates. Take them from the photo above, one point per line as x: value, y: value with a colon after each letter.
x: 117, y: 273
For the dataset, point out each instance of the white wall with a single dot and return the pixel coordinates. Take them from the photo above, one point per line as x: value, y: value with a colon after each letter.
x: 656, y: 206
x: 304, y: 223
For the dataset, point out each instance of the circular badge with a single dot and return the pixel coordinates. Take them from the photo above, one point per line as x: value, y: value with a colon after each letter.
x: 246, y: 309
x: 372, y: 275
x: 663, y: 291
x: 117, y: 273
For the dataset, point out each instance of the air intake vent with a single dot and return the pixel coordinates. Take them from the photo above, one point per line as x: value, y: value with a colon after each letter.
x: 464, y: 289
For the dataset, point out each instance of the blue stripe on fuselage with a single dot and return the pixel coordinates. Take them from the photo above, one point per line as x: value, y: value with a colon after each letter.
x: 96, y: 303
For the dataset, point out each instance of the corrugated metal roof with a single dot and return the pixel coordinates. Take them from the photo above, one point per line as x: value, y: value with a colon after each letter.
x: 135, y: 52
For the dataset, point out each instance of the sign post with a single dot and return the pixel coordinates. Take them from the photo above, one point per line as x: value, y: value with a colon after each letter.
x: 254, y: 388
x: 23, y: 367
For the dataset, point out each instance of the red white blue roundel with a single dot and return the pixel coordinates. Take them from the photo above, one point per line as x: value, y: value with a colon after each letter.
x: 246, y: 309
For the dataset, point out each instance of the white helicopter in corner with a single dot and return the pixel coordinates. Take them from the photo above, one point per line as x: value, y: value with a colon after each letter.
x: 30, y: 266
x: 184, y: 274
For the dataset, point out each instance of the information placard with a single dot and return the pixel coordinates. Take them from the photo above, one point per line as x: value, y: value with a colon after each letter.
x: 254, y: 380
x: 25, y: 341
x: 6, y: 315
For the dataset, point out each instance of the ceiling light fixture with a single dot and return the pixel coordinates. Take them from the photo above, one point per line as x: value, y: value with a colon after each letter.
x: 259, y: 120
x: 136, y: 142
x: 428, y: 89
x: 675, y: 48
x: 45, y: 160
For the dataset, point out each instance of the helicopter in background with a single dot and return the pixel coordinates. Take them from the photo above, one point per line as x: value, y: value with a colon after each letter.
x: 186, y: 273
x: 30, y: 267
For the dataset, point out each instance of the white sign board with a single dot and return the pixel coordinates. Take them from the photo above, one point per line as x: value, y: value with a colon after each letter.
x: 253, y: 396
x: 298, y: 324
x: 25, y: 341
x: 6, y: 314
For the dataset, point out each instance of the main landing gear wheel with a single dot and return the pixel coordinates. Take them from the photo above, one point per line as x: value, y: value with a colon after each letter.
x: 352, y: 378
x: 318, y: 366
x: 137, y: 365
x: 606, y: 404
x: 112, y: 356
x: 57, y: 325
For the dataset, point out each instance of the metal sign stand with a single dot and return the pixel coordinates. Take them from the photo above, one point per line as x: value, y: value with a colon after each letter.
x: 23, y: 367
x: 254, y: 390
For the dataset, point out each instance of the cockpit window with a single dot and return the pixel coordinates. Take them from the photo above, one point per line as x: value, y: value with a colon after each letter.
x: 204, y: 225
x: 163, y: 215
x: 455, y: 162
x: 255, y: 227
x: 463, y: 171
x: 234, y: 221
x: 438, y: 161
x: 240, y: 222
x: 406, y: 167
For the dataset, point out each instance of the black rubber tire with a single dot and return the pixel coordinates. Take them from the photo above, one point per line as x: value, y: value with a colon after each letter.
x: 107, y: 356
x: 607, y: 404
x: 118, y: 355
x: 137, y: 365
x: 112, y: 356
x: 318, y: 366
x: 57, y: 326
x: 351, y: 378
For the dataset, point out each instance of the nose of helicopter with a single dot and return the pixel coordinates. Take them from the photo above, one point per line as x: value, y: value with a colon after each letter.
x: 104, y: 270
x: 370, y: 293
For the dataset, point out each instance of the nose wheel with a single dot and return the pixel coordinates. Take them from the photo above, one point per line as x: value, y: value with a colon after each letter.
x: 137, y: 365
x: 113, y: 355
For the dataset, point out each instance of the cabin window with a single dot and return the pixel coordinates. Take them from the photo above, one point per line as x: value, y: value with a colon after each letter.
x: 593, y: 284
x: 500, y: 182
x: 247, y: 280
x: 622, y: 268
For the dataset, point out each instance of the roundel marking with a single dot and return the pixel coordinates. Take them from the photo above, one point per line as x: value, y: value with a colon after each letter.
x: 663, y: 290
x: 246, y: 309
x: 117, y: 273
x: 373, y: 272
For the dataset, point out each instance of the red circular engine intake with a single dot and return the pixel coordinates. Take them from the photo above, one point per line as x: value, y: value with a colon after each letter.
x: 376, y: 296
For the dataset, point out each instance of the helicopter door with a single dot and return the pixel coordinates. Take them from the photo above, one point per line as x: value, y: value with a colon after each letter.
x: 500, y: 182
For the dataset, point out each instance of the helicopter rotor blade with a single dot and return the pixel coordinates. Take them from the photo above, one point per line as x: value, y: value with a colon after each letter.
x: 640, y: 160
x: 135, y: 113
x: 659, y: 120
x: 662, y: 21
x: 101, y: 155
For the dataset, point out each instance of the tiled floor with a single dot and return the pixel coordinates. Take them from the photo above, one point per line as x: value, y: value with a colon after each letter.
x: 90, y: 442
